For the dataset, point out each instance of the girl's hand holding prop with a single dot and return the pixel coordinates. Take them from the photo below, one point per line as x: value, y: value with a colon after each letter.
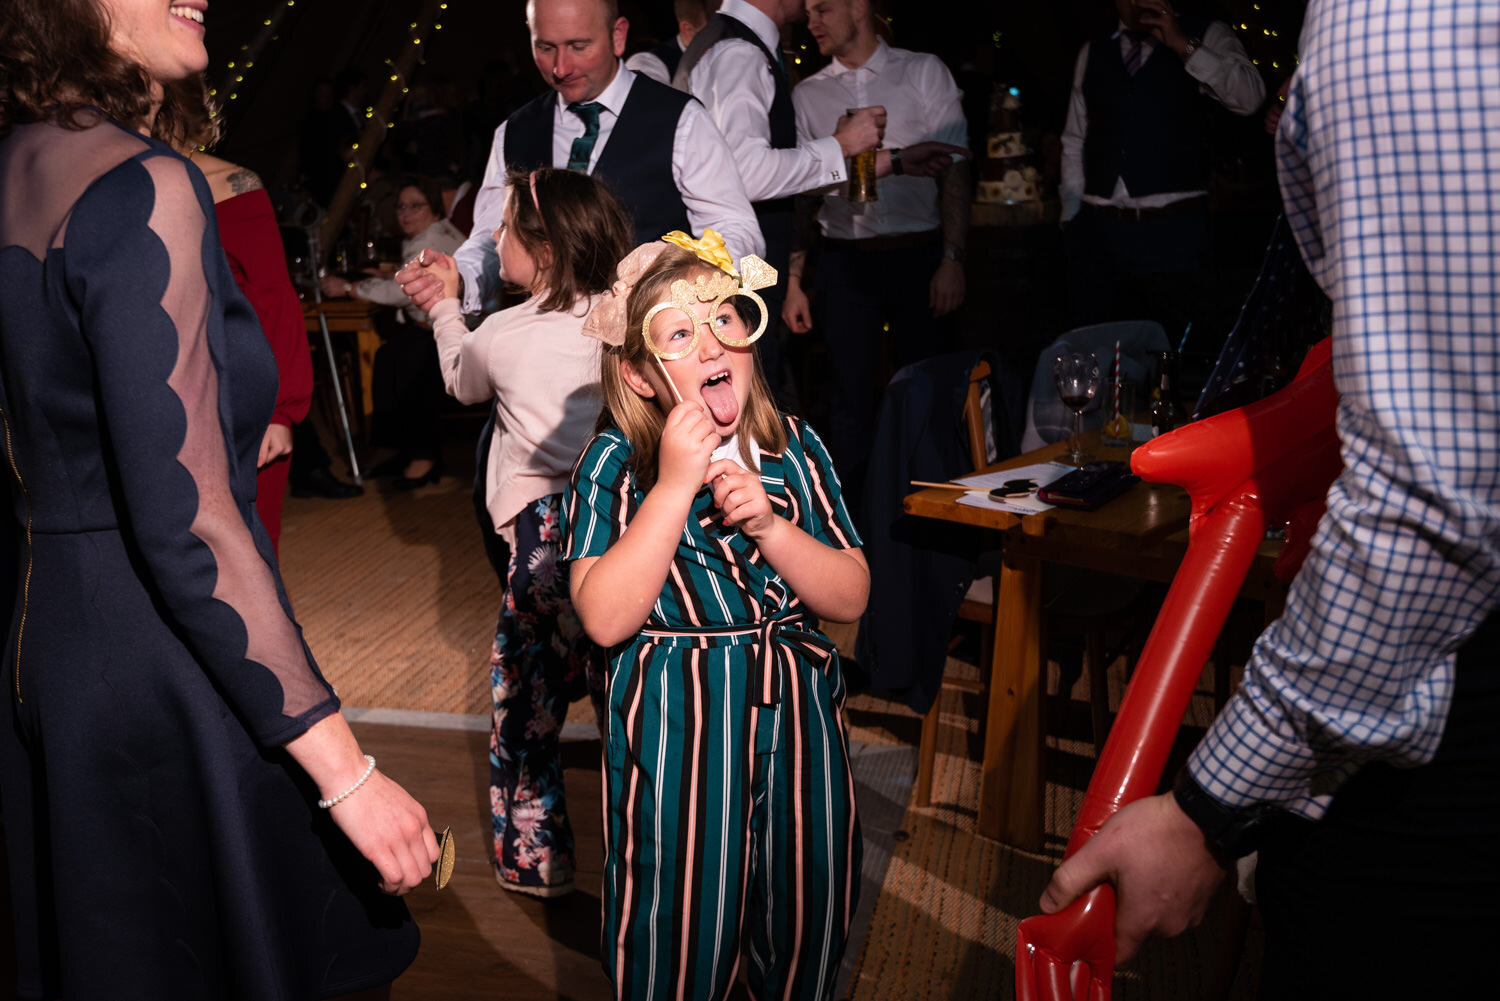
x: 742, y: 497
x: 687, y: 442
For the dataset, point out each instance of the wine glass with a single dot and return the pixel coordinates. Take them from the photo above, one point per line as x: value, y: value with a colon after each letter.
x: 1076, y: 374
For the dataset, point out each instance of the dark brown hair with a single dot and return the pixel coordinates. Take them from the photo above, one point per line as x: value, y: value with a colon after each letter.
x: 640, y: 419
x: 575, y: 229
x: 202, y: 126
x: 55, y: 61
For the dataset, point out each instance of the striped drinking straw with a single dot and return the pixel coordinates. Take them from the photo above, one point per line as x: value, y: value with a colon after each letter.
x: 1117, y: 383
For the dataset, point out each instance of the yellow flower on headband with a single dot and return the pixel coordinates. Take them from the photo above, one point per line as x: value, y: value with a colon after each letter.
x: 710, y: 249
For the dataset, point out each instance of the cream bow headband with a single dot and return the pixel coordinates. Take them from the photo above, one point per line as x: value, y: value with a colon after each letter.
x: 606, y: 321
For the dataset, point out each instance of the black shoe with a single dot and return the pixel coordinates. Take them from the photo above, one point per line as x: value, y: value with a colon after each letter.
x: 391, y: 466
x: 404, y: 482
x: 322, y: 483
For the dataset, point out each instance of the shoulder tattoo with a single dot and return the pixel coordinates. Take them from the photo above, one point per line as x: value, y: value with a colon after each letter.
x: 242, y: 179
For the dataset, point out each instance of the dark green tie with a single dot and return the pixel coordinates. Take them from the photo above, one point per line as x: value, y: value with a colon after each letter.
x: 583, y: 146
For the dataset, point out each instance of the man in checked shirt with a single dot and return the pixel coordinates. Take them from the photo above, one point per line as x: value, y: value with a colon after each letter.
x: 1361, y: 756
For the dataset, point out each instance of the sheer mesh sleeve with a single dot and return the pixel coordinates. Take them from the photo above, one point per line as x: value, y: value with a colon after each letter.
x: 134, y: 251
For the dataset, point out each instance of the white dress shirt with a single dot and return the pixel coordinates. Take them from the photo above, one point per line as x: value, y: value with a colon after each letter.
x: 921, y: 102
x: 702, y: 168
x: 732, y: 81
x: 650, y: 64
x: 1224, y: 72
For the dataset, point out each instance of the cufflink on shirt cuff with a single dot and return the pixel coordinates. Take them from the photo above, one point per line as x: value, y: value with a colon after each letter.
x: 1229, y: 832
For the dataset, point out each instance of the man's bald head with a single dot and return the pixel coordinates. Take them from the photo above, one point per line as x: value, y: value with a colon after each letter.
x: 576, y: 44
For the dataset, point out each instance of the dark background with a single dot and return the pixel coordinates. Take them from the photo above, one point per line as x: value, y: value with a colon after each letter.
x: 1016, y: 299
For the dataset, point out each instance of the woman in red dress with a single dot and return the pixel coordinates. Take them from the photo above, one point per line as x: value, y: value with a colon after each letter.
x: 252, y: 242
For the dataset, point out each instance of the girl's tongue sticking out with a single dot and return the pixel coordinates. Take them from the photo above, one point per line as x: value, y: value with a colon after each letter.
x: 718, y: 394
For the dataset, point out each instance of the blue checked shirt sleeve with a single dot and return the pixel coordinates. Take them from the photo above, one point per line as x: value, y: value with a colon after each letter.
x: 1390, y: 186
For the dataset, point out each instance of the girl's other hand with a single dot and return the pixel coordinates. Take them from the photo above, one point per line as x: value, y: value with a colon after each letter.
x: 422, y: 286
x: 445, y: 269
x: 742, y: 497
x: 687, y: 441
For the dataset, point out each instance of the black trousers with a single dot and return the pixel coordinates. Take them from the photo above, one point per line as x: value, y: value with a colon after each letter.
x: 1395, y: 893
x: 871, y: 303
x: 407, y: 388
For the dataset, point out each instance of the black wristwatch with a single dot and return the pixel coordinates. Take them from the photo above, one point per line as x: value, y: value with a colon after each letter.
x: 896, y: 167
x: 952, y: 252
x: 1229, y: 832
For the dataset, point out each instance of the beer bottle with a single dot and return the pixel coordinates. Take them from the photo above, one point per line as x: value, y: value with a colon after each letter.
x: 1166, y: 413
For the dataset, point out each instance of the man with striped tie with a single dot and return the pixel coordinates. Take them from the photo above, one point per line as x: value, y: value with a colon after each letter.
x: 659, y: 150
x: 1135, y: 159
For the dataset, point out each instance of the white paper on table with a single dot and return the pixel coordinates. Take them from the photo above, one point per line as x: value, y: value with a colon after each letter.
x: 1042, y: 472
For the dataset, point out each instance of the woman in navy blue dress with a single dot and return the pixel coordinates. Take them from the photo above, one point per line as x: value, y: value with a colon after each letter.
x: 187, y: 813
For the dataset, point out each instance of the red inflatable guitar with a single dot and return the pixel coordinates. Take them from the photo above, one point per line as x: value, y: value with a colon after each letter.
x: 1267, y: 463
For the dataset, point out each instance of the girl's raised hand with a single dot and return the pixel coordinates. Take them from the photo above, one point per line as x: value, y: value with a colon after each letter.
x: 687, y: 442
x: 444, y: 269
x: 741, y: 496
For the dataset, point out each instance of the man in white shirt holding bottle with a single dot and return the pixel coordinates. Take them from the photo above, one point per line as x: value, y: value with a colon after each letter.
x: 898, y: 260
x: 734, y: 67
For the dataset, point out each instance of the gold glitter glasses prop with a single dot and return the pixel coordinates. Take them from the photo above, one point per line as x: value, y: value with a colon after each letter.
x: 733, y: 307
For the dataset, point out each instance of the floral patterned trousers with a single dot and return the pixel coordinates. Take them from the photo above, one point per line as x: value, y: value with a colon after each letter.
x: 538, y: 666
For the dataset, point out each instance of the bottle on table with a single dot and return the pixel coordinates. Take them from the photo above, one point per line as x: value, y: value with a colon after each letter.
x: 1166, y: 412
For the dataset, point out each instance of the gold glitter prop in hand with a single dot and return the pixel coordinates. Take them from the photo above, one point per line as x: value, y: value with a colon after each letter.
x: 443, y: 871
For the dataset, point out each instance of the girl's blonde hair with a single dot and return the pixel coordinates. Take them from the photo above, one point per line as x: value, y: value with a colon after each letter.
x: 641, y: 419
x: 584, y: 223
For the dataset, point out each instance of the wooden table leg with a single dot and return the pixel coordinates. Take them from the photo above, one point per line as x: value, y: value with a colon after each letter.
x: 1011, y: 782
x: 369, y: 343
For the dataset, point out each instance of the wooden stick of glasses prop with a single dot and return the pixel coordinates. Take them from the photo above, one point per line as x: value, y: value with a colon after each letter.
x: 667, y: 376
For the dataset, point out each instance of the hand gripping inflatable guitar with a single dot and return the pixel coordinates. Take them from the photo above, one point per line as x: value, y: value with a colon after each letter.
x: 1262, y: 464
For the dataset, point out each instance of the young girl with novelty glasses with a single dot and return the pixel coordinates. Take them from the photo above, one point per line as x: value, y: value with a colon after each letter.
x: 707, y: 536
x: 560, y: 236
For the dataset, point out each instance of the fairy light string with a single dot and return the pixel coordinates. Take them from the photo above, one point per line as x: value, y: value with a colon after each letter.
x: 378, y: 119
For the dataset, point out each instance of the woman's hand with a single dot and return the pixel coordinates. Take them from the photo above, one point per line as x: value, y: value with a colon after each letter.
x: 687, y: 442
x: 380, y: 818
x: 334, y: 287
x: 390, y: 829
x: 742, y: 497
x: 276, y: 443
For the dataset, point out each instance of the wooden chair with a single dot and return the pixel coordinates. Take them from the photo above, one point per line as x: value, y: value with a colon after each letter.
x: 979, y: 606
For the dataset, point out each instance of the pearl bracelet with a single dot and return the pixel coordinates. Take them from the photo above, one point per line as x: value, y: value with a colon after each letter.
x: 369, y: 770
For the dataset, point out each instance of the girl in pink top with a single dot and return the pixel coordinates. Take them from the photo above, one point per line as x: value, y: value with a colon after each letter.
x: 560, y: 236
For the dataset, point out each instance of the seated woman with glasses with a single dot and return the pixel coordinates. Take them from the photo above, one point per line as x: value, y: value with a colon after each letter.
x: 406, y: 384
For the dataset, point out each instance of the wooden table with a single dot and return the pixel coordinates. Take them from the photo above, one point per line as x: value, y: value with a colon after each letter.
x: 354, y: 316
x: 1142, y: 533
